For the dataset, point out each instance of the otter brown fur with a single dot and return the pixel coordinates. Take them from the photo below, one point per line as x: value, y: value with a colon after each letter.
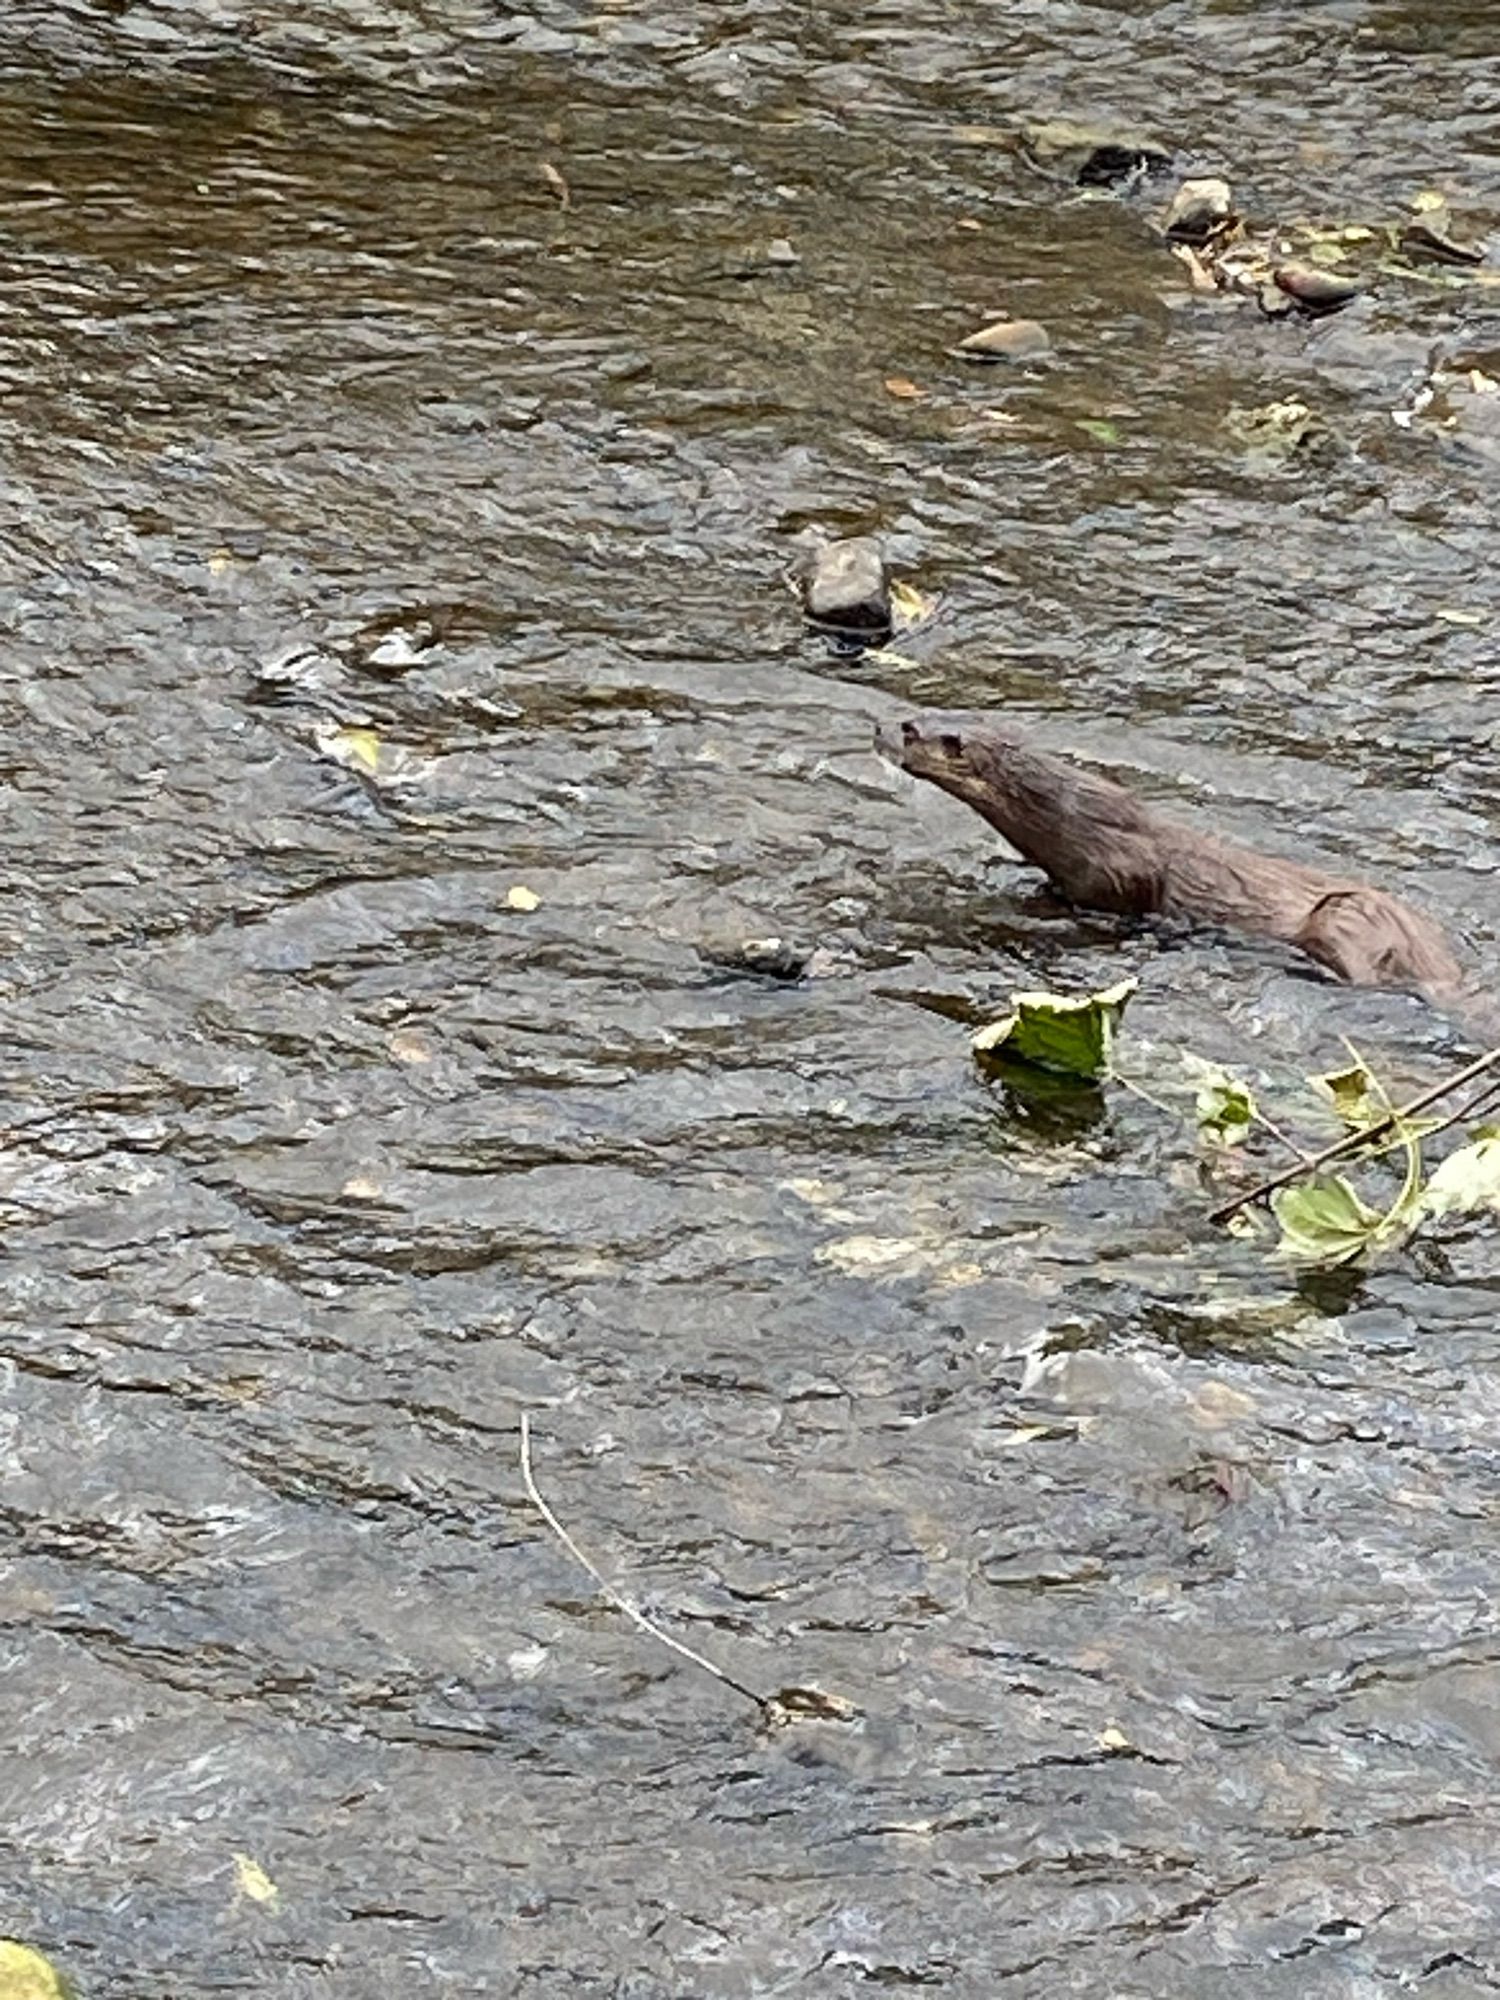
x: 1105, y: 849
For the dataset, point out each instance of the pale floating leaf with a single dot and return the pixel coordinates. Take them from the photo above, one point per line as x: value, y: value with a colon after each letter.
x: 1428, y: 202
x: 220, y: 561
x: 1467, y: 1181
x: 1482, y: 384
x: 909, y: 606
x: 526, y: 1662
x: 887, y: 656
x: 26, y: 1975
x: 1325, y: 1222
x: 557, y: 184
x: 1098, y: 428
x: 1452, y: 614
x: 1353, y: 1093
x: 253, y: 1883
x: 1224, y: 1107
x: 1069, y: 1036
x: 522, y: 898
x: 1114, y: 1741
x: 811, y: 1704
x: 356, y: 749
x: 903, y: 388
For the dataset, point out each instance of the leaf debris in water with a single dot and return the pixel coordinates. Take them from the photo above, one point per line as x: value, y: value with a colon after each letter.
x: 1070, y: 1036
x: 909, y: 606
x: 1468, y: 1180
x: 902, y: 387
x: 791, y: 1704
x: 1324, y: 1222
x: 1224, y: 1107
x: 1352, y: 1094
x: 357, y: 749
x: 522, y: 898
x: 26, y: 1975
x: 253, y: 1883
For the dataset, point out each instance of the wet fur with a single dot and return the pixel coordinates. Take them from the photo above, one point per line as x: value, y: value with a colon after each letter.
x: 1105, y: 849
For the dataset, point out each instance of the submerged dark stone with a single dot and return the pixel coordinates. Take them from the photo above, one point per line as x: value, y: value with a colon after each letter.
x: 1091, y: 155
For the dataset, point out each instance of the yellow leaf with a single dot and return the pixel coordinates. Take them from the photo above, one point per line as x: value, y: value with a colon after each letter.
x: 253, y: 1882
x: 219, y: 561
x: 26, y: 1975
x: 1114, y: 1740
x: 356, y: 746
x: 521, y: 898
x: 909, y: 605
x: 902, y: 387
x: 1022, y: 1434
x: 1429, y: 201
x: 1451, y: 615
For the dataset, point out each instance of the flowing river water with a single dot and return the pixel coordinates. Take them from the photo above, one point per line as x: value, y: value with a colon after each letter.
x: 1163, y: 1581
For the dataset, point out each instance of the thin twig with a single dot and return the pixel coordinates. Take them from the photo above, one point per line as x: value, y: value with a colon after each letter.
x: 1353, y: 1141
x: 607, y: 1589
x: 1283, y: 1139
x: 1259, y: 1116
x: 1136, y: 1090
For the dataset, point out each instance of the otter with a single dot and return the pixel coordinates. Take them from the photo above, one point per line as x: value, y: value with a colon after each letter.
x: 1103, y: 848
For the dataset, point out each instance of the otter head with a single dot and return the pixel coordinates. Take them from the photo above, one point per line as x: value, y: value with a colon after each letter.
x: 941, y: 751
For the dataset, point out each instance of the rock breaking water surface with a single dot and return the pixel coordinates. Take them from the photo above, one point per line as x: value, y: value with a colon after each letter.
x: 1165, y: 1584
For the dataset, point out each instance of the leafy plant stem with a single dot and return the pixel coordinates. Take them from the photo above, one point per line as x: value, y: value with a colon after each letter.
x: 1353, y: 1142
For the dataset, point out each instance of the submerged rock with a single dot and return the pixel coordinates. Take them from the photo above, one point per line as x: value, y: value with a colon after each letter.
x: 1198, y: 210
x: 1314, y: 289
x: 1006, y: 340
x: 1091, y: 155
x: 845, y: 585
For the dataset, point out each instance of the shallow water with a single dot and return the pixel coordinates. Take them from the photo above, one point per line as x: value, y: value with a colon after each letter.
x: 1165, y: 1585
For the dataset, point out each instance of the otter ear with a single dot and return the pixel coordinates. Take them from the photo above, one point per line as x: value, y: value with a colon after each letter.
x: 910, y: 733
x: 951, y: 745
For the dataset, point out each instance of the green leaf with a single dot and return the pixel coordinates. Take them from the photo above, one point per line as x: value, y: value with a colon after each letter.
x: 1467, y: 1181
x: 26, y: 1975
x: 1098, y: 428
x: 1224, y: 1107
x: 1324, y: 1222
x: 1072, y: 1037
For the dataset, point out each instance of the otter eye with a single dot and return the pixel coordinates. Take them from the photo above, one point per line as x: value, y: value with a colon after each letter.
x: 952, y: 746
x: 910, y: 733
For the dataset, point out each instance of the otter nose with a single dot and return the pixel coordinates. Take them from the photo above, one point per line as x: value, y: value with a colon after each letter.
x: 910, y: 733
